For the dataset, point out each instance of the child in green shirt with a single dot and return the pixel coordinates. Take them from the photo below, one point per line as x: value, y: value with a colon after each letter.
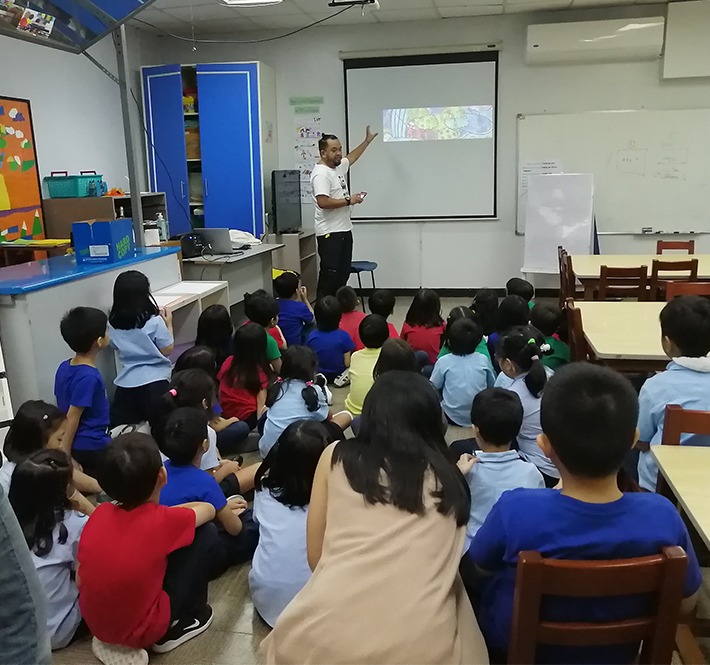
x: 547, y: 319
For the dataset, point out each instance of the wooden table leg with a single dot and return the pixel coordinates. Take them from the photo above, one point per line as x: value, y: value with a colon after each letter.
x: 687, y: 646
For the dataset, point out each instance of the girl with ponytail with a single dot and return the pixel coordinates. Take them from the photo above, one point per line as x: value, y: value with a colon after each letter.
x: 295, y: 395
x: 519, y: 355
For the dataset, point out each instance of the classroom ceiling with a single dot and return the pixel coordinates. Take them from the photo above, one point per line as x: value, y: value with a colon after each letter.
x: 211, y: 16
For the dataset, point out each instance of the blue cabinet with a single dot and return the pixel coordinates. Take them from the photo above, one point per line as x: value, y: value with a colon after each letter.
x: 226, y: 184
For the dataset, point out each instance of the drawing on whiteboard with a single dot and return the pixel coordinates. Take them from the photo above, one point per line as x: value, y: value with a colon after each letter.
x: 438, y: 123
x: 671, y: 165
x: 632, y: 161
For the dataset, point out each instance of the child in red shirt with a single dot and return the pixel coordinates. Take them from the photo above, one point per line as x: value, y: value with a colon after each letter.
x: 423, y: 326
x: 351, y: 316
x: 142, y: 577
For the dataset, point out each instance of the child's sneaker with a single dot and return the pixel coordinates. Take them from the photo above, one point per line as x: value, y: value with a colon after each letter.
x: 114, y: 654
x: 323, y: 383
x: 183, y: 630
x: 342, y: 380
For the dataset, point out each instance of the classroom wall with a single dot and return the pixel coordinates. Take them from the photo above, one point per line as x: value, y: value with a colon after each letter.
x: 454, y: 254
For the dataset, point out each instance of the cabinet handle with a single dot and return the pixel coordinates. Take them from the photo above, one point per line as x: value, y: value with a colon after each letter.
x: 182, y: 189
x: 207, y: 188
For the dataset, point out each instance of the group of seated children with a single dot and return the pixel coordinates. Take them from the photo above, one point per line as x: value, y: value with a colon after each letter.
x: 179, y: 516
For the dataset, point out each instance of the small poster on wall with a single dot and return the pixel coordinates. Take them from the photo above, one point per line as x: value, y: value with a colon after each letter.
x: 10, y: 12
x: 20, y: 190
x: 36, y: 23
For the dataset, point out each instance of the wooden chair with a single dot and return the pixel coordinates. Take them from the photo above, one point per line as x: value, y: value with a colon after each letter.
x: 679, y: 421
x: 568, y: 282
x: 579, y: 349
x: 623, y: 283
x: 675, y: 289
x: 682, y: 245
x: 659, y: 283
x: 662, y: 575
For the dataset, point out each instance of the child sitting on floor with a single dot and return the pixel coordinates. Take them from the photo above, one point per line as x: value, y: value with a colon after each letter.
x: 395, y: 354
x: 382, y: 302
x: 516, y: 286
x: 374, y: 333
x: 512, y: 312
x: 494, y: 468
x: 462, y: 313
x: 460, y: 375
x: 214, y: 330
x: 351, y: 316
x: 185, y: 442
x: 589, y: 417
x: 547, y: 319
x: 263, y: 309
x: 142, y: 575
x: 295, y: 311
x: 284, y: 481
x: 79, y: 389
x: 423, y: 326
x: 485, y: 307
x: 331, y: 344
x: 52, y: 516
x: 685, y: 327
x: 296, y: 396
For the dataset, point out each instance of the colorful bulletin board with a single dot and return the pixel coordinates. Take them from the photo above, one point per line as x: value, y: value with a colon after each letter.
x: 20, y: 189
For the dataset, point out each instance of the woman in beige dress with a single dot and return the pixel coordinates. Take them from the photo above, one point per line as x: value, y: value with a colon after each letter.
x: 386, y: 526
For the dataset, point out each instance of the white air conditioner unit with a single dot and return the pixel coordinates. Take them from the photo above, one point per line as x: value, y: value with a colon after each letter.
x: 595, y: 41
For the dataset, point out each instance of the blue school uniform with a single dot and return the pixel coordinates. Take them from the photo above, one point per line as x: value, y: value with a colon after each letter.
x: 493, y: 474
x: 527, y: 438
x: 188, y: 483
x: 561, y: 527
x: 679, y: 384
x: 460, y: 379
x: 330, y: 347
x: 294, y: 315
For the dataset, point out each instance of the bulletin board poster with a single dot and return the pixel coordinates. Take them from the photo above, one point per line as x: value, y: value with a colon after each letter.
x: 20, y: 189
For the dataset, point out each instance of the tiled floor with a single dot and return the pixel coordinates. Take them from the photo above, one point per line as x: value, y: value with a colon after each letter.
x: 237, y: 631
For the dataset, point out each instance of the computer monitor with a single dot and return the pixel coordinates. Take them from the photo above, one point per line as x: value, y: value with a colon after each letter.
x: 286, y: 201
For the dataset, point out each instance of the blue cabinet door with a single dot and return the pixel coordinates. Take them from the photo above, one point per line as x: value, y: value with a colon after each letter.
x: 230, y: 146
x: 167, y: 156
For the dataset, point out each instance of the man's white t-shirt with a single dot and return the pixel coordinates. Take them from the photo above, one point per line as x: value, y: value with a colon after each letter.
x: 332, y: 183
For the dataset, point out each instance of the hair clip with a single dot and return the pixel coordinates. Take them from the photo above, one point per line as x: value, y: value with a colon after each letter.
x: 531, y: 340
x: 173, y: 392
x: 545, y: 347
x: 534, y: 358
x: 45, y: 416
x: 279, y: 379
x: 309, y: 384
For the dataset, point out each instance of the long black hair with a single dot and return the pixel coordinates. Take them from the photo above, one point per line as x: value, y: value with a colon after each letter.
x: 402, y: 436
x: 133, y: 304
x: 298, y: 363
x: 289, y: 468
x: 197, y: 357
x: 214, y: 329
x: 248, y: 357
x: 38, y: 495
x: 396, y: 354
x: 33, y: 424
x: 425, y: 309
x: 454, y: 315
x: 522, y: 346
x: 485, y: 306
x: 513, y: 311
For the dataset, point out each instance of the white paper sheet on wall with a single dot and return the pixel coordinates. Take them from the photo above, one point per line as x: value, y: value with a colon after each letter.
x: 307, y: 134
x: 538, y: 167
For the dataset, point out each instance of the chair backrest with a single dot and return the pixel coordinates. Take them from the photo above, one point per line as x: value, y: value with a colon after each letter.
x: 623, y: 283
x: 579, y: 349
x: 564, y: 278
x: 661, y: 575
x: 679, y: 421
x: 675, y: 289
x: 675, y: 268
x: 682, y: 245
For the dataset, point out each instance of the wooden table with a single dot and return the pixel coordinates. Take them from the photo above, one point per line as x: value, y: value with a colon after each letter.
x: 625, y: 335
x: 16, y: 252
x: 587, y: 268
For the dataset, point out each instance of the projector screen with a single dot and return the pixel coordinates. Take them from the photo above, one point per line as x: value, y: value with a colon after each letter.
x: 435, y: 157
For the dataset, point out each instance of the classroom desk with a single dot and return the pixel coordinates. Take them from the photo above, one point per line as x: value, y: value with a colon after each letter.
x: 245, y: 273
x: 587, y: 267
x: 625, y: 335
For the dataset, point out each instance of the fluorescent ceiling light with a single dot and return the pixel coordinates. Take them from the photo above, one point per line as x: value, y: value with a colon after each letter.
x: 250, y: 3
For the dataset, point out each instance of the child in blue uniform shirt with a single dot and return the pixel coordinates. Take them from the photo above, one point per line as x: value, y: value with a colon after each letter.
x: 685, y: 330
x: 332, y: 346
x: 463, y: 373
x: 588, y: 417
x: 79, y: 389
x: 295, y: 312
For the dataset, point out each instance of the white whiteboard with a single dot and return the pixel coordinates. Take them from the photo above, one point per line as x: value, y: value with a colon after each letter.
x: 651, y: 168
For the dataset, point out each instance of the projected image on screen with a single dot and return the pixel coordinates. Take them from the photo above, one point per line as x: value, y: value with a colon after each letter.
x: 446, y: 123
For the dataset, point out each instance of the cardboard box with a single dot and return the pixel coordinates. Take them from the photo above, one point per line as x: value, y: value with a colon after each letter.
x: 103, y: 241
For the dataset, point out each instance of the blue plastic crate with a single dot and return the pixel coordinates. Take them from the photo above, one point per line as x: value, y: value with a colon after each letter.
x: 74, y: 186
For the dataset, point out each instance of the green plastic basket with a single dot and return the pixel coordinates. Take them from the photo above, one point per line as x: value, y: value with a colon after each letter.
x: 61, y: 185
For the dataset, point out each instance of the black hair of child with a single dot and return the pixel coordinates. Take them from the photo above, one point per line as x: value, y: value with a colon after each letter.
x: 298, y: 363
x: 133, y: 303
x: 546, y: 318
x: 129, y: 469
x: 197, y: 357
x: 686, y: 322
x: 82, y: 326
x: 517, y: 286
x: 396, y: 354
x: 522, y: 346
x: 33, y: 424
x: 261, y: 308
x: 425, y: 309
x: 513, y: 311
x: 185, y: 431
x: 374, y: 331
x: 589, y: 413
x: 328, y: 314
x: 498, y: 415
x: 286, y: 284
x: 347, y: 297
x: 382, y: 302
x: 464, y: 336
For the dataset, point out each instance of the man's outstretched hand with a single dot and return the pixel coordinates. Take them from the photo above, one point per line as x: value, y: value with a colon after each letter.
x: 370, y: 136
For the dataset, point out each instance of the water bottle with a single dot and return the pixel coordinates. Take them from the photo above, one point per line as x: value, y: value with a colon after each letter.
x: 163, y: 227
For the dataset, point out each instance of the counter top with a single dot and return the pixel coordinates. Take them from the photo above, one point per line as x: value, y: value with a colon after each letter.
x: 241, y: 255
x: 38, y: 275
